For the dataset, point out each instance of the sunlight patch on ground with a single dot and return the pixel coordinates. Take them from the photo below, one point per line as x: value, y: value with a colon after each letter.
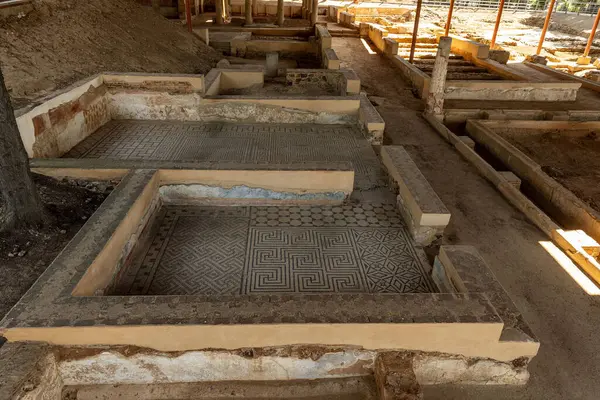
x: 364, y: 42
x: 570, y: 268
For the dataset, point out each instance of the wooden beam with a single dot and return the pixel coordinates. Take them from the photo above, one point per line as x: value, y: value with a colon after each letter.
x: 498, y: 18
x: 592, y: 34
x: 545, y: 28
x: 449, y: 20
x: 415, y: 32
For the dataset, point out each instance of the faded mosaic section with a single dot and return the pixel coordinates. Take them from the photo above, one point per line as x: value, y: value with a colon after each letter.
x: 360, y: 248
x: 239, y: 143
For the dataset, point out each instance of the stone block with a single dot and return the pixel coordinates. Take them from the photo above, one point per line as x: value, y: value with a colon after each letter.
x: 584, y: 60
x: 535, y: 59
x: 468, y: 141
x: 224, y: 63
x: 423, y: 211
x: 271, y: 64
x: 352, y: 81
x: 363, y: 29
x: 511, y: 178
x: 330, y: 59
x: 390, y: 47
x: 203, y: 34
x: 501, y: 56
x: 324, y: 36
x: 373, y: 123
x: 395, y: 377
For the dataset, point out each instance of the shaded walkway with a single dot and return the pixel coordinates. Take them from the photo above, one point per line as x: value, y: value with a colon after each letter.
x: 562, y: 315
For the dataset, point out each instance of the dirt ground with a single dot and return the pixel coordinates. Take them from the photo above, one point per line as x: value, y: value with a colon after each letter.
x: 25, y: 255
x: 570, y: 157
x: 563, y: 316
x: 519, y: 32
x: 63, y: 41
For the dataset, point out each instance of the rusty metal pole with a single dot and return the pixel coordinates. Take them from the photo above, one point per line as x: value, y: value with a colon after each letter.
x: 188, y: 14
x: 413, y: 43
x: 592, y: 34
x: 449, y: 17
x: 498, y: 18
x: 545, y: 28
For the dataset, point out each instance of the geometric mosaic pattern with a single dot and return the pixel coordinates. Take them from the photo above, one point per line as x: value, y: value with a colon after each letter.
x: 241, y: 143
x: 302, y: 260
x: 245, y: 250
x: 350, y: 215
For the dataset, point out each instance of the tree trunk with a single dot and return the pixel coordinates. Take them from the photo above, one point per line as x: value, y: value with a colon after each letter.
x: 21, y: 204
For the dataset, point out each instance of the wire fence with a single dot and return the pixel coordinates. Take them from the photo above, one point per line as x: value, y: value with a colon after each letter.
x: 563, y: 6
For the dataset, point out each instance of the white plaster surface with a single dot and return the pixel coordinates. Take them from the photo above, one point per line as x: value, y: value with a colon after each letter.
x: 197, y: 366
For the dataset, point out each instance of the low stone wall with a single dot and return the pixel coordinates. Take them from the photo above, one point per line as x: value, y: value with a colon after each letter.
x: 377, y: 34
x: 41, y: 372
x: 486, y: 90
x: 569, y: 209
x: 62, y: 120
x: 303, y: 76
x: 285, y: 48
x: 267, y: 8
x: 366, y: 9
x: 420, y: 80
x: 469, y: 49
x: 346, y: 19
x: 511, y: 91
x: 53, y: 127
x: 586, y: 83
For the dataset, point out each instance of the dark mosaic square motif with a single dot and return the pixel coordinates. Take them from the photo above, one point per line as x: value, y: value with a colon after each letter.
x: 300, y: 260
x: 350, y: 215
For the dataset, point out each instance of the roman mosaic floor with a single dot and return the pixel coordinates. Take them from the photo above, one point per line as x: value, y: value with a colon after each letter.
x: 239, y: 143
x: 212, y: 250
x: 360, y: 246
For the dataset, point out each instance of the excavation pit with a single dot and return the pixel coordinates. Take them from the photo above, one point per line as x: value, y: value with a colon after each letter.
x: 339, y: 282
x: 557, y: 162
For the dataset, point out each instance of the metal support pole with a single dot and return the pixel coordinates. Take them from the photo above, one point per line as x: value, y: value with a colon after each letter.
x: 314, y: 13
x: 434, y: 103
x: 219, y: 12
x: 188, y: 14
x: 280, y: 16
x: 248, y: 12
x: 545, y: 28
x: 498, y: 18
x: 449, y: 20
x: 413, y: 43
x: 592, y: 34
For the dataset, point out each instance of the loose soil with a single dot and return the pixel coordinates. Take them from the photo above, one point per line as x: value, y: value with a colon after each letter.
x: 24, y: 255
x: 571, y: 157
x: 63, y: 41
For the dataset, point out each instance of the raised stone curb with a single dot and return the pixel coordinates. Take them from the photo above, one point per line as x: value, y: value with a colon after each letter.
x: 372, y: 122
x: 422, y: 209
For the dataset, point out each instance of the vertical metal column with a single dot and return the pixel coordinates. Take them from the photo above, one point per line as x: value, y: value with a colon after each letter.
x: 545, y: 28
x: 498, y: 18
x: 413, y: 43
